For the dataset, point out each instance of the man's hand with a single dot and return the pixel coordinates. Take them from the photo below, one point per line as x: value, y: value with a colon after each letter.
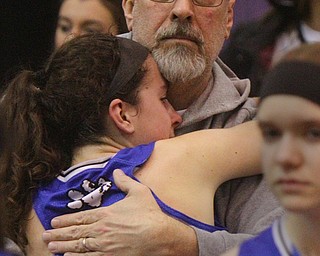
x: 133, y: 226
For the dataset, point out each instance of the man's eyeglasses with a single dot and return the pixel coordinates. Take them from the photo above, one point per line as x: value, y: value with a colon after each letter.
x: 204, y: 3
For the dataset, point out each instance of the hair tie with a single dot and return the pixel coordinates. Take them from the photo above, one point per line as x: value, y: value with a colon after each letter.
x: 132, y: 57
x: 40, y: 78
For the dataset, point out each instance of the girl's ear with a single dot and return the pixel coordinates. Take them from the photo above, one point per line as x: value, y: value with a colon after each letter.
x: 119, y: 112
x: 127, y: 6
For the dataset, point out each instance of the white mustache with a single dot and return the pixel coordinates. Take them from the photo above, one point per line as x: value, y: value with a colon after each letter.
x: 180, y: 30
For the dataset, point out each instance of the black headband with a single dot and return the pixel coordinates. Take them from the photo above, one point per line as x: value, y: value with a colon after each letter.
x: 295, y: 78
x: 132, y: 56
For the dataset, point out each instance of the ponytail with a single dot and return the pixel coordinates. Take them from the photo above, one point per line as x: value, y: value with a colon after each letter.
x: 26, y: 160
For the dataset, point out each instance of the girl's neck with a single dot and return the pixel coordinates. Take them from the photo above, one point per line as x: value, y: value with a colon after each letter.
x: 304, y: 232
x: 94, y: 151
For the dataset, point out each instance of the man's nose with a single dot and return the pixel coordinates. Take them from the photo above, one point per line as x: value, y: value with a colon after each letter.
x: 182, y: 10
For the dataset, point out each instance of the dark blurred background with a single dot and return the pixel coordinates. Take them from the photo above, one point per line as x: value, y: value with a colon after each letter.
x: 27, y: 28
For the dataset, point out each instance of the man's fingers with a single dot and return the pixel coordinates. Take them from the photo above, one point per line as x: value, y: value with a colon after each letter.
x: 137, y: 193
x: 69, y: 246
x: 83, y: 217
x: 66, y: 234
x: 124, y: 182
x: 84, y: 246
x: 75, y: 246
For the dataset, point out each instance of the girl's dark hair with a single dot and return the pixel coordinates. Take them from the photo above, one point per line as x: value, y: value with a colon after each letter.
x: 115, y: 8
x: 48, y: 114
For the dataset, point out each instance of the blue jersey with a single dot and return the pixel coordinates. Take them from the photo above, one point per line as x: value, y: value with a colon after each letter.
x: 90, y: 184
x: 3, y: 253
x: 274, y: 241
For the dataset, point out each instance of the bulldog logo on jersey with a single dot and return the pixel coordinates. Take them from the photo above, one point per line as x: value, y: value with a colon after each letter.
x: 92, y: 196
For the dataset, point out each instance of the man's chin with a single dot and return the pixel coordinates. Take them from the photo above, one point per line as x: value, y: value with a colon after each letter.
x: 178, y: 63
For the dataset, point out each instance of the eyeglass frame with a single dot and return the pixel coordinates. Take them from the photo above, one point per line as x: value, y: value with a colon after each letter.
x: 193, y: 1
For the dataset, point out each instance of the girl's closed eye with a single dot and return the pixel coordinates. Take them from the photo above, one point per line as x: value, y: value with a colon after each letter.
x: 166, y: 103
x: 164, y: 99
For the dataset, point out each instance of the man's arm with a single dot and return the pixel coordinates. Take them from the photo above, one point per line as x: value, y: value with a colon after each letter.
x: 247, y: 207
x: 252, y: 219
x: 133, y: 226
x: 214, y: 244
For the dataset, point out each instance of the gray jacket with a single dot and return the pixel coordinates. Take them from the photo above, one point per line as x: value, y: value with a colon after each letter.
x: 245, y: 205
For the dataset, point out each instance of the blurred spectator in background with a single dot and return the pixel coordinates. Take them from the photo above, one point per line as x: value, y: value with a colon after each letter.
x: 77, y: 17
x: 256, y: 46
